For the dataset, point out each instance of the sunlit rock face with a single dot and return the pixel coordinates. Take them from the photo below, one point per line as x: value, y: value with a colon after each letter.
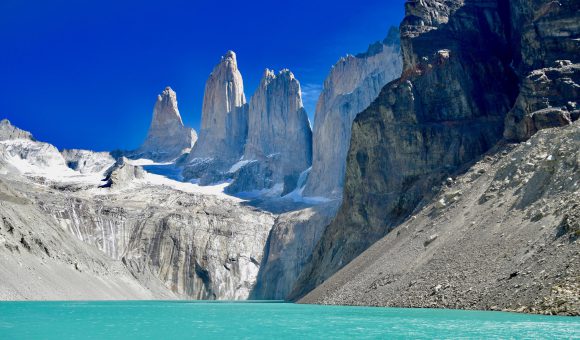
x: 353, y: 83
x: 168, y: 138
x: 224, y: 123
x: 279, y: 144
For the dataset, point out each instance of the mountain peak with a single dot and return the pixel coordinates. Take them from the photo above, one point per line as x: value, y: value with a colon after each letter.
x: 9, y: 131
x: 167, y: 138
x: 230, y: 56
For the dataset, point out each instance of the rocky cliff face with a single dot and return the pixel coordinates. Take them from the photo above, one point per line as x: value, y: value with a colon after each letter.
x: 546, y: 40
x: 288, y: 249
x: 42, y: 261
x: 224, y: 122
x: 167, y: 138
x: 143, y: 235
x: 353, y: 83
x: 447, y: 109
x: 279, y: 144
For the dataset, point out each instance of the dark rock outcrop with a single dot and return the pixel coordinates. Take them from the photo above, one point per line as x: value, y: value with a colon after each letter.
x: 546, y: 40
x: 548, y: 98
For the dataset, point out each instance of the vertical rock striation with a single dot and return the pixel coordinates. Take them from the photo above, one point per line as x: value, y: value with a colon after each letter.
x: 353, y: 83
x: 290, y: 243
x: 224, y: 123
x: 279, y: 144
x: 167, y: 138
x: 446, y: 109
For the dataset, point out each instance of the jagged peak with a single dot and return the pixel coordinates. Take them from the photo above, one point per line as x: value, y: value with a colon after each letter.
x: 393, y: 38
x: 269, y: 75
x: 9, y: 131
x: 229, y: 56
x: 167, y: 95
x: 286, y: 73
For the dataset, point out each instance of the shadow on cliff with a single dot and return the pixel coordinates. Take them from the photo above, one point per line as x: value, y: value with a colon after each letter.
x: 441, y: 116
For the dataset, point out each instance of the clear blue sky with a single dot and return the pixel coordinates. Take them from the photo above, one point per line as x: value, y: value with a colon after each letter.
x: 85, y: 74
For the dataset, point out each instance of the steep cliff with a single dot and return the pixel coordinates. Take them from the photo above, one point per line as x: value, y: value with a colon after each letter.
x: 546, y: 40
x: 224, y: 123
x: 288, y: 249
x: 465, y: 62
x: 353, y: 83
x: 279, y: 144
x: 167, y: 138
x: 446, y: 109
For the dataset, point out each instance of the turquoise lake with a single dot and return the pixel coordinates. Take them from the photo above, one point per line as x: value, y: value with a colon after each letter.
x: 248, y: 320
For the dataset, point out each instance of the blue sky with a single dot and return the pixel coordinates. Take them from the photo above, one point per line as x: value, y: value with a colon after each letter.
x: 85, y: 74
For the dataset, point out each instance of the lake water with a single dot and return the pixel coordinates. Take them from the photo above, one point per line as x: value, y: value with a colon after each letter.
x: 223, y: 320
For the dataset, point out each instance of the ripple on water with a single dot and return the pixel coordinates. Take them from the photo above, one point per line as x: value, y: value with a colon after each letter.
x: 174, y: 320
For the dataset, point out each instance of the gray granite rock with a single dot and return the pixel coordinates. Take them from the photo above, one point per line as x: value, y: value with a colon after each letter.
x: 224, y: 122
x: 288, y: 249
x: 122, y: 173
x: 140, y: 237
x: 167, y: 138
x: 353, y: 83
x: 279, y: 144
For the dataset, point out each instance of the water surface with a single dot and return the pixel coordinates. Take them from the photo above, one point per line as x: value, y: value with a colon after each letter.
x: 259, y: 320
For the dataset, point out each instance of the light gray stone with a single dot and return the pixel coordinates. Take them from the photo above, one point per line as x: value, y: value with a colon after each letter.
x: 168, y: 138
x: 353, y: 83
x: 279, y: 136
x: 224, y: 117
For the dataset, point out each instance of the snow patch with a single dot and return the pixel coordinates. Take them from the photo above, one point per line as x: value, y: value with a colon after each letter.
x: 240, y: 164
x: 212, y: 190
x: 39, y: 159
x: 297, y: 196
x: 274, y: 191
